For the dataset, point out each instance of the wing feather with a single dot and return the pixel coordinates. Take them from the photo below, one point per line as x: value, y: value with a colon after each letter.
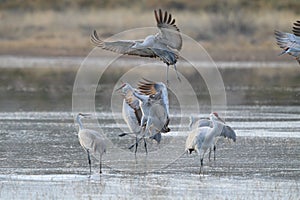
x: 228, y: 132
x: 147, y: 87
x: 121, y: 46
x: 290, y: 43
x: 169, y: 33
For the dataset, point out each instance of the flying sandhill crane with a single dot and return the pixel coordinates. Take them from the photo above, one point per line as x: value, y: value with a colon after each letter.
x: 201, y: 139
x: 91, y: 141
x: 290, y: 43
x: 227, y: 132
x: 165, y: 44
x: 151, y: 114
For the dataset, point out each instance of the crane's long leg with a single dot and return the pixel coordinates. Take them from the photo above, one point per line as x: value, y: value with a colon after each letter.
x: 136, y: 144
x: 177, y: 73
x: 167, y: 75
x: 201, y: 165
x: 145, y: 145
x: 215, y: 148
x: 100, y: 164
x: 89, y: 161
x: 143, y: 132
x: 209, y: 153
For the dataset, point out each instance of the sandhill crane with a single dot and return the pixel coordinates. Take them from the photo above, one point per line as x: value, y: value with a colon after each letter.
x: 149, y: 87
x: 290, y: 43
x: 155, y: 108
x: 131, y: 111
x: 152, y: 111
x: 91, y: 141
x: 165, y: 44
x: 227, y: 132
x: 202, y: 138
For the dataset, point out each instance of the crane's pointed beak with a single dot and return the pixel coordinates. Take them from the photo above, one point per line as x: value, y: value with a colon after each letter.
x: 221, y: 120
x: 118, y: 89
x: 123, y: 85
x: 85, y: 115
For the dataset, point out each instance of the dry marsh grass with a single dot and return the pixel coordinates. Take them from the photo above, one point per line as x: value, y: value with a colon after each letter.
x: 67, y: 32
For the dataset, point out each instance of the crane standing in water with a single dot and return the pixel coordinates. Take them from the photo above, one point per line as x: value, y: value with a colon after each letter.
x: 201, y: 139
x: 165, y: 44
x: 289, y: 42
x: 227, y: 132
x: 91, y: 141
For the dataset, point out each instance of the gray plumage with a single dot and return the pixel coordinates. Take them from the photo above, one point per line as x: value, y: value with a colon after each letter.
x: 164, y: 45
x: 131, y: 112
x: 91, y: 141
x: 227, y: 132
x: 200, y: 139
x: 290, y: 42
x: 146, y: 109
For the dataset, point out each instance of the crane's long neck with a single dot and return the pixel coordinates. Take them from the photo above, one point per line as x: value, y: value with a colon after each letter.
x: 217, y: 127
x: 144, y: 102
x: 78, y: 119
x: 127, y: 90
x: 192, y: 121
x: 165, y: 99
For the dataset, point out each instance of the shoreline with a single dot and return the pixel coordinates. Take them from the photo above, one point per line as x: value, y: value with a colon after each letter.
x: 71, y: 61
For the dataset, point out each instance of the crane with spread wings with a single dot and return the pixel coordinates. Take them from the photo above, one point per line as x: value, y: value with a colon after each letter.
x: 290, y: 42
x: 164, y: 45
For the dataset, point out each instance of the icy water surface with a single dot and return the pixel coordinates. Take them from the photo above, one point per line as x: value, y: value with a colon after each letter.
x: 41, y: 159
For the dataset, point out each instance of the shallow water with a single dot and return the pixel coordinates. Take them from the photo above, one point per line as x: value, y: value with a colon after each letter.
x: 41, y: 158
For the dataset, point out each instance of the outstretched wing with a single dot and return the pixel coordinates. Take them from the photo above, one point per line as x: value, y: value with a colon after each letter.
x: 296, y: 31
x: 290, y: 43
x: 228, y: 132
x: 148, y: 87
x: 287, y: 40
x: 121, y: 46
x: 169, y: 33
